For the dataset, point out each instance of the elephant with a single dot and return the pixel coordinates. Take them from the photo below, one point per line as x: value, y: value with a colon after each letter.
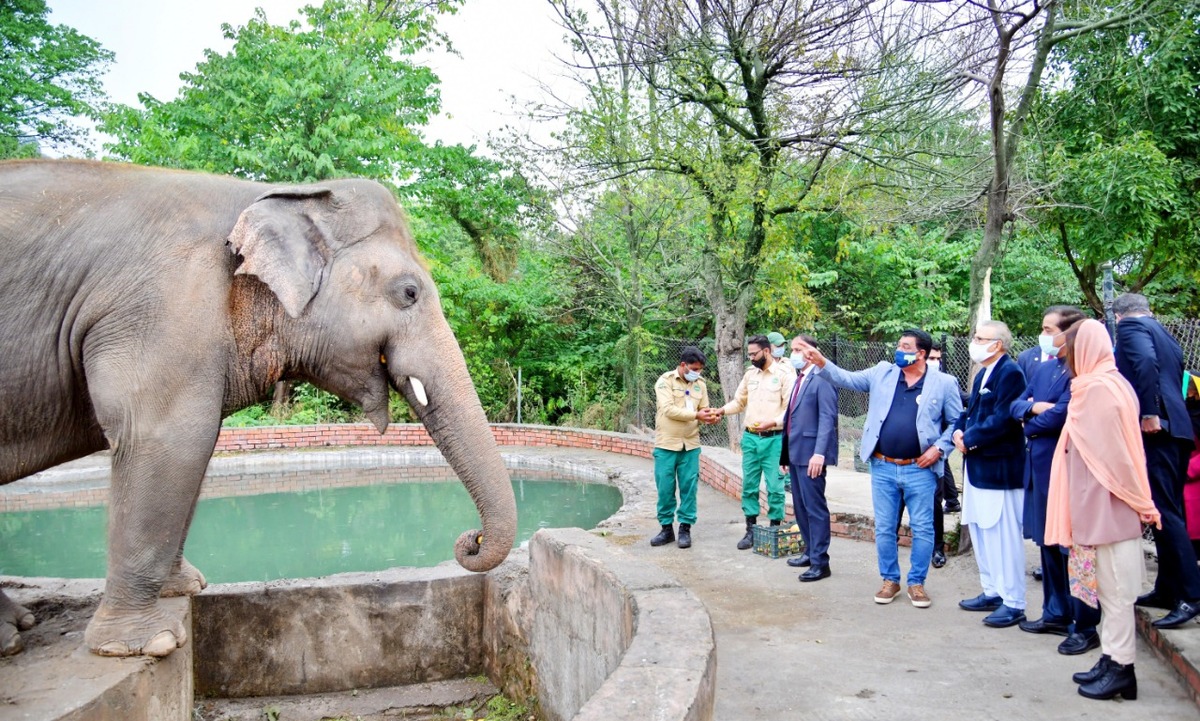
x: 143, y: 305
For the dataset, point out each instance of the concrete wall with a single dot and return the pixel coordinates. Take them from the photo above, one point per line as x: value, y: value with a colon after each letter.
x: 338, y: 633
x: 606, y: 637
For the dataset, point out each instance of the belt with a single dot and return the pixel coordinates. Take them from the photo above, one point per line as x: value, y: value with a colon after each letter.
x: 897, y: 461
x: 764, y: 434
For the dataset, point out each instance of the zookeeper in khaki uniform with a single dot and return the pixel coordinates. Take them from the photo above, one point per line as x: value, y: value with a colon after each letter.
x: 682, y: 405
x: 763, y: 394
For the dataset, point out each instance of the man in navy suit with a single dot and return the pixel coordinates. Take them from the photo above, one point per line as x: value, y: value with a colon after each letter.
x: 810, y: 445
x: 994, y: 486
x: 1152, y: 362
x: 1042, y: 409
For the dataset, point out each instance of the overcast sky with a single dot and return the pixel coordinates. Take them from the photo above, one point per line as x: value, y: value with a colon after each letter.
x: 506, y: 47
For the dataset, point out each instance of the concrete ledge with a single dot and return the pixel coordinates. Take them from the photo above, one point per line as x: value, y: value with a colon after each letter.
x: 348, y: 631
x: 613, y: 639
x: 57, y: 679
x: 1179, y: 648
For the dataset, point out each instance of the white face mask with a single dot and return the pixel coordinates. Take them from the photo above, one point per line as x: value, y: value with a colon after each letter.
x: 777, y: 352
x: 799, y: 361
x: 979, y: 351
x: 1046, y: 342
x: 934, y: 365
x: 691, y: 376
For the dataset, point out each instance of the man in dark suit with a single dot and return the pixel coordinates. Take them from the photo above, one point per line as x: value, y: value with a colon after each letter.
x: 994, y: 487
x: 810, y: 445
x: 1152, y: 362
x: 1042, y: 409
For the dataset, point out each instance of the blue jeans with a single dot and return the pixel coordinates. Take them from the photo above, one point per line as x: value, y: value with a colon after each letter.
x: 894, y: 487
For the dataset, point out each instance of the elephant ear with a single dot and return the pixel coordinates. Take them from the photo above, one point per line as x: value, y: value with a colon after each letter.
x: 283, y: 243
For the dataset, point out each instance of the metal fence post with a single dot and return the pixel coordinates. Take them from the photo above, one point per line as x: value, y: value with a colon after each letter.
x: 1107, y: 289
x: 518, y: 396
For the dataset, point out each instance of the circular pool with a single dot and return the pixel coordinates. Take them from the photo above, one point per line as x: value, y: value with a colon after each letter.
x: 301, y: 514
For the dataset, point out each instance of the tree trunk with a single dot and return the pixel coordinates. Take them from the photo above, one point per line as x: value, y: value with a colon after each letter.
x: 731, y: 362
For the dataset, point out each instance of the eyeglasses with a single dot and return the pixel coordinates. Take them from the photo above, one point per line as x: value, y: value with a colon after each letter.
x: 978, y: 339
x: 756, y: 353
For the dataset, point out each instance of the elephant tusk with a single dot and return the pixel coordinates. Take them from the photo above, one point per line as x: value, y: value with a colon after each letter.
x: 419, y: 391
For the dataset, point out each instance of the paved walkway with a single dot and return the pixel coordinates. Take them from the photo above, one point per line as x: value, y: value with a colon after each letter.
x: 825, y: 651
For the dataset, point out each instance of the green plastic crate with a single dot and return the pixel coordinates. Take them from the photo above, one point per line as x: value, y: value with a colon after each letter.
x: 777, y: 541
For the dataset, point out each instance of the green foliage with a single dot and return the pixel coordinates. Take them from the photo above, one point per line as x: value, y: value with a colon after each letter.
x: 497, y: 708
x: 49, y: 74
x: 295, y: 104
x: 1120, y: 133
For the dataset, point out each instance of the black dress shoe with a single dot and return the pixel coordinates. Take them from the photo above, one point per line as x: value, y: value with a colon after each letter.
x: 685, y: 535
x: 1184, y: 611
x: 1116, y: 679
x: 815, y: 574
x: 952, y: 507
x: 665, y: 536
x: 938, y: 560
x: 800, y: 561
x: 1154, y: 600
x: 1058, y: 628
x: 1078, y: 643
x: 1096, y: 672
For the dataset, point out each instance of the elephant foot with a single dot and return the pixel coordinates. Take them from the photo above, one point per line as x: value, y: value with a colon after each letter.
x: 150, y: 632
x: 13, y: 620
x: 185, y: 580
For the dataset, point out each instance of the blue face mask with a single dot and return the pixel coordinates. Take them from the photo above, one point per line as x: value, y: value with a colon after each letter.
x: 798, y: 361
x: 691, y: 376
x: 904, y: 358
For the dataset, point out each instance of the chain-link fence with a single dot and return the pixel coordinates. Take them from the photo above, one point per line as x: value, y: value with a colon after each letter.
x: 851, y: 354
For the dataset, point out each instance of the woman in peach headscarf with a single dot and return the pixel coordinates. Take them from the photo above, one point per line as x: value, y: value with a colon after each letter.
x: 1099, y: 498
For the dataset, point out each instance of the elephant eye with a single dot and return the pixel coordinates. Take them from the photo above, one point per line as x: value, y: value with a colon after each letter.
x: 404, y: 292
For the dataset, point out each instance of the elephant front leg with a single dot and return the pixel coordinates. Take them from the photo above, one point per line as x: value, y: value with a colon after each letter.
x: 155, y: 483
x: 185, y: 579
x: 13, y: 620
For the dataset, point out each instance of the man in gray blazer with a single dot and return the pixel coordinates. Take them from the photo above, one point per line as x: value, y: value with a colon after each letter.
x: 810, y: 445
x: 904, y: 442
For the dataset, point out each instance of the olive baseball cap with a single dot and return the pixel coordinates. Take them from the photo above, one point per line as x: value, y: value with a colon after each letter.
x: 776, y: 339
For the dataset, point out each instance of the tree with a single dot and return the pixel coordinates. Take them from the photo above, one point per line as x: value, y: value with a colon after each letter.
x: 336, y: 98
x: 49, y: 75
x: 1120, y: 137
x: 1024, y: 30
x: 731, y: 93
x: 291, y: 104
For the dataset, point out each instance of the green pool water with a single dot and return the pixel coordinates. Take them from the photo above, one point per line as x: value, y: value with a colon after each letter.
x: 303, y: 534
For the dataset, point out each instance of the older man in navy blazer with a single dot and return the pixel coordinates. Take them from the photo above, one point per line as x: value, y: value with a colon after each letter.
x: 993, y: 446
x: 1152, y: 361
x: 810, y: 445
x: 911, y: 412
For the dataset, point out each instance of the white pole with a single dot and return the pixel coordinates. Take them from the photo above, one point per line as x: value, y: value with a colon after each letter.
x: 518, y: 395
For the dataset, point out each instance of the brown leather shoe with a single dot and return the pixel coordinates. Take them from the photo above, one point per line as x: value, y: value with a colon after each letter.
x: 888, y: 592
x: 916, y: 594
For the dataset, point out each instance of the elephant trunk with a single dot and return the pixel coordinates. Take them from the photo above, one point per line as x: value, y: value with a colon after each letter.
x: 455, y: 420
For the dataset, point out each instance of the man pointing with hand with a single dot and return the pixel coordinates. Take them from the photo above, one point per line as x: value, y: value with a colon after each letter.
x: 905, y: 445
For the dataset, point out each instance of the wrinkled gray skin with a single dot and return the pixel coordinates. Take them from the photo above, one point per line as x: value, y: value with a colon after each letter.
x: 141, y: 305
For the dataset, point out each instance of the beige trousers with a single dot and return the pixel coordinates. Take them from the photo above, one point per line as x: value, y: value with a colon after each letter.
x: 1120, y: 569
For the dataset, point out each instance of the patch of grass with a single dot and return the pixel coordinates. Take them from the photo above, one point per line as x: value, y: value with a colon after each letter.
x: 497, y: 708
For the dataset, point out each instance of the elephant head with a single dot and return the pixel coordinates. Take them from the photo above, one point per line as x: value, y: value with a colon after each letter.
x: 357, y: 311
